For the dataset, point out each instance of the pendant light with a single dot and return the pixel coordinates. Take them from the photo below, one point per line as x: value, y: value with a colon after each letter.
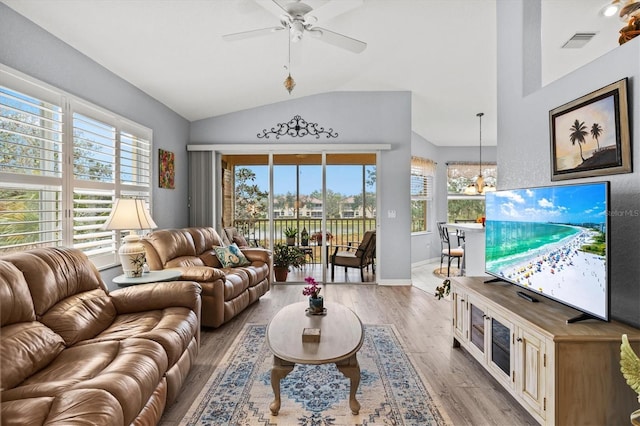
x: 479, y: 187
x: 289, y: 82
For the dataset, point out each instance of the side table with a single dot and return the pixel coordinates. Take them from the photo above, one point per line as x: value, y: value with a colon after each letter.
x: 148, y: 277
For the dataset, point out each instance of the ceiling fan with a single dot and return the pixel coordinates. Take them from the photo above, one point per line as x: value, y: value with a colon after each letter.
x: 299, y: 18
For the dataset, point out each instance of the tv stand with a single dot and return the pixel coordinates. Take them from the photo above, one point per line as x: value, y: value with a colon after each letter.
x: 582, y: 317
x: 560, y: 373
x: 496, y: 280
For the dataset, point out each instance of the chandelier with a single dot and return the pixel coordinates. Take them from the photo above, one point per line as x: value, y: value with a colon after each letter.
x: 479, y: 187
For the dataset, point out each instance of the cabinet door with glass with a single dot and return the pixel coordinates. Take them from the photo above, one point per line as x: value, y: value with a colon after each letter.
x: 500, y: 350
x: 476, y: 324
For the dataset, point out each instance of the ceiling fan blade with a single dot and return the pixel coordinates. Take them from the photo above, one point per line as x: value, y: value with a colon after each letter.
x: 334, y: 8
x: 272, y: 6
x: 253, y: 33
x: 339, y: 40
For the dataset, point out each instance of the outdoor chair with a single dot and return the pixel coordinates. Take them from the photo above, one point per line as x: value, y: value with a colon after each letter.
x: 361, y: 256
x: 446, y: 250
x: 232, y: 235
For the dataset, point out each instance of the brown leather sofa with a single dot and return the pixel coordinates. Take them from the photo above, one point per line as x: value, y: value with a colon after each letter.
x: 73, y: 353
x: 225, y: 291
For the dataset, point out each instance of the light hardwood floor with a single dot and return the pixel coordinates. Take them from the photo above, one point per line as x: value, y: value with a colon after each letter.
x: 468, y: 394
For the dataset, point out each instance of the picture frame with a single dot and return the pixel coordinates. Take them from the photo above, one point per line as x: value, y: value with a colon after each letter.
x: 167, y: 171
x: 590, y: 136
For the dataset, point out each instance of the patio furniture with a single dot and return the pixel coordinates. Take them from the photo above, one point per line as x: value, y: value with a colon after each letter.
x: 360, y: 256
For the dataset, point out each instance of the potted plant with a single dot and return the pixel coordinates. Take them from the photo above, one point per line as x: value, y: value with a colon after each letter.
x: 291, y: 234
x: 285, y: 256
x: 317, y: 237
x: 316, y: 302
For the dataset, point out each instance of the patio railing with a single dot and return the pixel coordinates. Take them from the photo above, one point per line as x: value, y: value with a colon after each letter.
x: 343, y: 231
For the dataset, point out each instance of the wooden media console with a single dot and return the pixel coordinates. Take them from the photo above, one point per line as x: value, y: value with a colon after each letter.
x: 563, y: 374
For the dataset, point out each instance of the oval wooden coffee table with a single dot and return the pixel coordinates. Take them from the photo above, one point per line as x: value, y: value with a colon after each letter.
x: 341, y: 337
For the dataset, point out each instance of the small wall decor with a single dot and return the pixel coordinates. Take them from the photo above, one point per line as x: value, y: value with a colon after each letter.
x: 590, y: 135
x: 297, y: 127
x: 167, y: 169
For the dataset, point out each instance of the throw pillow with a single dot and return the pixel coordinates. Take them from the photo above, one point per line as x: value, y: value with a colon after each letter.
x: 240, y: 241
x: 231, y: 256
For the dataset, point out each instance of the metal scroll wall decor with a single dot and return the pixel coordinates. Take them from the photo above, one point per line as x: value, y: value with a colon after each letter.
x: 297, y: 127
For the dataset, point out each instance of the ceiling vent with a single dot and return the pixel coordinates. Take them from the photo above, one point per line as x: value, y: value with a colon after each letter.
x: 578, y: 40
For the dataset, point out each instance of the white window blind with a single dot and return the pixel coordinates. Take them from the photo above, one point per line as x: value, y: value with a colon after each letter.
x: 462, y: 174
x: 422, y: 189
x: 61, y: 159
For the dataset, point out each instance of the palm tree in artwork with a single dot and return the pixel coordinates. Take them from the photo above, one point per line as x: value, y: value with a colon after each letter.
x: 578, y: 132
x: 596, y: 132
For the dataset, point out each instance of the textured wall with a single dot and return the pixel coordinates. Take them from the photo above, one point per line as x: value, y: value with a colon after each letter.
x: 523, y: 137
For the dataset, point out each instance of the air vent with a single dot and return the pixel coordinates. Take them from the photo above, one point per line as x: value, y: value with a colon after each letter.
x: 578, y: 40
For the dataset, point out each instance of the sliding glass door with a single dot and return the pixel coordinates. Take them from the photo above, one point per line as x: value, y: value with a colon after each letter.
x: 322, y: 201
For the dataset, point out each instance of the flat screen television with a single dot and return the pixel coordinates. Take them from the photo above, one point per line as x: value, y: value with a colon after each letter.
x: 553, y: 241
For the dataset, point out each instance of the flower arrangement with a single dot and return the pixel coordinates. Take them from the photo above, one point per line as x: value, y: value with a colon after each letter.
x: 317, y: 236
x: 312, y: 289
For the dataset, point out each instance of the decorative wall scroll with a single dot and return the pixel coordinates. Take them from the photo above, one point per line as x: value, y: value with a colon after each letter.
x: 297, y: 127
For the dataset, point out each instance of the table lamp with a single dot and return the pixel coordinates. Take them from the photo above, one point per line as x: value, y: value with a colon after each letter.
x: 130, y: 214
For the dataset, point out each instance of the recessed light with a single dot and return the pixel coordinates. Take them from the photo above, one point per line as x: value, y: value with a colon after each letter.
x: 610, y: 9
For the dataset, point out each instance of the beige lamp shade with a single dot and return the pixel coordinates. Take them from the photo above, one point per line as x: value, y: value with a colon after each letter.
x: 130, y: 214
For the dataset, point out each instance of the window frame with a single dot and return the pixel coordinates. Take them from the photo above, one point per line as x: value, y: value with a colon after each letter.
x: 80, y: 217
x: 489, y: 173
x: 422, y: 169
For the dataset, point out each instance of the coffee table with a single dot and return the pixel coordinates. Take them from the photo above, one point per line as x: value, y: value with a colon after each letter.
x: 341, y: 337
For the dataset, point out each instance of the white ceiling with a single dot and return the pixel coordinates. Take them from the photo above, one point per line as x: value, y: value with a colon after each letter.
x: 443, y: 51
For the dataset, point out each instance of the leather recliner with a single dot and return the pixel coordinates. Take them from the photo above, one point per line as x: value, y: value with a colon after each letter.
x: 225, y: 291
x: 73, y: 353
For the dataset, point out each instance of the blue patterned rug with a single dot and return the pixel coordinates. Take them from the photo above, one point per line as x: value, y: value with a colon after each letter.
x: 390, y: 392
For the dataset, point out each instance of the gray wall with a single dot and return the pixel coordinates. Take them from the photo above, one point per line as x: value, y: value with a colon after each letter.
x: 523, y: 135
x: 426, y: 246
x: 28, y: 48
x: 359, y: 118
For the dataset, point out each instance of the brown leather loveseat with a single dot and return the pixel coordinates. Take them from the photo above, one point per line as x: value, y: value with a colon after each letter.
x: 73, y: 353
x: 226, y: 291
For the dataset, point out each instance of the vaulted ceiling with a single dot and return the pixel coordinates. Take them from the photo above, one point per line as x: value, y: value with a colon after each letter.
x: 443, y: 51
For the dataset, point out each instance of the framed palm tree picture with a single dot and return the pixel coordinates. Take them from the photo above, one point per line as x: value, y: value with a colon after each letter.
x: 590, y: 135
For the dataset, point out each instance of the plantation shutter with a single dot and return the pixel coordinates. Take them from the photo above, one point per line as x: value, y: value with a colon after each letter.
x: 31, y: 167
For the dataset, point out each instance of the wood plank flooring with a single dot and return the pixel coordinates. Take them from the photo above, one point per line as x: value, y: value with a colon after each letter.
x: 468, y: 394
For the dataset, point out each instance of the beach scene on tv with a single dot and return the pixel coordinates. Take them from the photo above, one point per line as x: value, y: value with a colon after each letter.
x: 551, y: 240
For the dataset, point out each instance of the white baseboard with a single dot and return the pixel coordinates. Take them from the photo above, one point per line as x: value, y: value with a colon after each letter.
x: 394, y: 282
x: 425, y: 262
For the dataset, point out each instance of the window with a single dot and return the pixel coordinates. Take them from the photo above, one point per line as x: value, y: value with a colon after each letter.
x: 422, y: 175
x: 462, y: 207
x: 57, y: 186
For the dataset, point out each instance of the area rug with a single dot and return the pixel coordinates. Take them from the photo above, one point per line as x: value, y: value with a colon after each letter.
x: 442, y: 272
x: 391, y: 391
